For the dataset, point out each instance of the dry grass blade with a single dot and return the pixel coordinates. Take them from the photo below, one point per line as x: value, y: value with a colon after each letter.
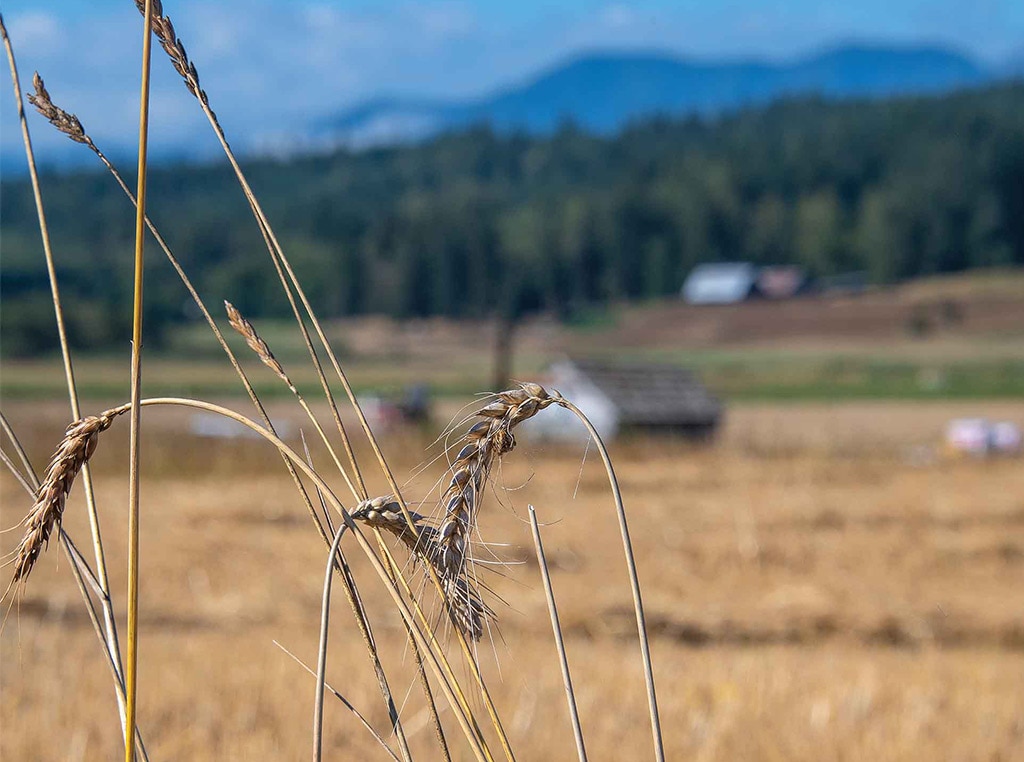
x: 75, y: 449
x: 30, y: 472
x: 19, y: 477
x: 343, y: 700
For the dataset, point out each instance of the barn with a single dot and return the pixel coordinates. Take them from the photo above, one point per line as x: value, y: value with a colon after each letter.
x: 618, y: 398
x: 720, y: 283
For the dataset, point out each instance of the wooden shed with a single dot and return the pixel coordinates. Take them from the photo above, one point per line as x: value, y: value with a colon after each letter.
x: 638, y: 397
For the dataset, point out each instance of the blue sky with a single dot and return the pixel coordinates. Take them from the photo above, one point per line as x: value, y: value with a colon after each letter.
x: 271, y: 65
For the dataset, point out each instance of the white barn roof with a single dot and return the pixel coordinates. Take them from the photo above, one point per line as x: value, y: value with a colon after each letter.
x: 720, y: 283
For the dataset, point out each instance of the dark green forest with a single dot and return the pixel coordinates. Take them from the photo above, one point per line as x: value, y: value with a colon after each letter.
x: 476, y: 223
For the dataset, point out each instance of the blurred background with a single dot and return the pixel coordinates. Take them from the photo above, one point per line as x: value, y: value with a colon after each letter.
x: 777, y: 253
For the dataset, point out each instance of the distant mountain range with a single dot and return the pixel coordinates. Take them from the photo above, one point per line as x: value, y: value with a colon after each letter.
x: 602, y: 92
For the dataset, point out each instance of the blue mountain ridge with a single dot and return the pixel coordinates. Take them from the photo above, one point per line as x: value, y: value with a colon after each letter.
x: 603, y: 91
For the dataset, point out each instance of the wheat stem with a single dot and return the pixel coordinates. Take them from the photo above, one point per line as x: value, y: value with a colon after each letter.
x: 556, y: 629
x: 321, y: 659
x: 355, y: 602
x: 136, y: 389
x: 77, y: 563
x: 634, y: 581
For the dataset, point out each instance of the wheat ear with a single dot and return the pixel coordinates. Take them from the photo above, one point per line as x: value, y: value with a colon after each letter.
x: 484, y: 444
x: 256, y: 343
x: 73, y: 452
x: 464, y: 604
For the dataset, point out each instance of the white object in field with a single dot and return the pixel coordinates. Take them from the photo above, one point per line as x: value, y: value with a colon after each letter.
x: 968, y: 435
x: 1006, y: 438
x: 979, y: 436
x: 218, y: 427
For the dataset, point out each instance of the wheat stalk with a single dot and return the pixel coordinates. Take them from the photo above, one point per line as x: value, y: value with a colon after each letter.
x: 425, y: 637
x: 73, y: 452
x: 556, y: 631
x: 134, y: 446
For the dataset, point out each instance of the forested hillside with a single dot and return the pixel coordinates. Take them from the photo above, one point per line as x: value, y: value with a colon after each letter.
x: 471, y: 223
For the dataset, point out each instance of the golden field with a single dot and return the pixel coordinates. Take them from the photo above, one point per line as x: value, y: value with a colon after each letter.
x: 823, y: 583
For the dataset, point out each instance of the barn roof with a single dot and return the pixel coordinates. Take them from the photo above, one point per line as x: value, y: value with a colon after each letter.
x: 647, y: 394
x: 720, y: 283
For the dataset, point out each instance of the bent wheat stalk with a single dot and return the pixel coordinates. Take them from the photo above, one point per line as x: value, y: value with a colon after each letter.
x: 634, y: 580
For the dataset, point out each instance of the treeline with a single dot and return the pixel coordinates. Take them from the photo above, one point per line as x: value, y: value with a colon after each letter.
x: 471, y: 224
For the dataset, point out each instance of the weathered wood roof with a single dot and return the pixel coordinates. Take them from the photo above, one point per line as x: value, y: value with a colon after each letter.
x: 651, y: 394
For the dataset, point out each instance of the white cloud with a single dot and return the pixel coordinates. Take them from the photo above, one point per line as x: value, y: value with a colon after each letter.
x: 37, y: 31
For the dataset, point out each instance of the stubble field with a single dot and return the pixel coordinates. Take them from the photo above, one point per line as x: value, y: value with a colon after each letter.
x: 822, y: 584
